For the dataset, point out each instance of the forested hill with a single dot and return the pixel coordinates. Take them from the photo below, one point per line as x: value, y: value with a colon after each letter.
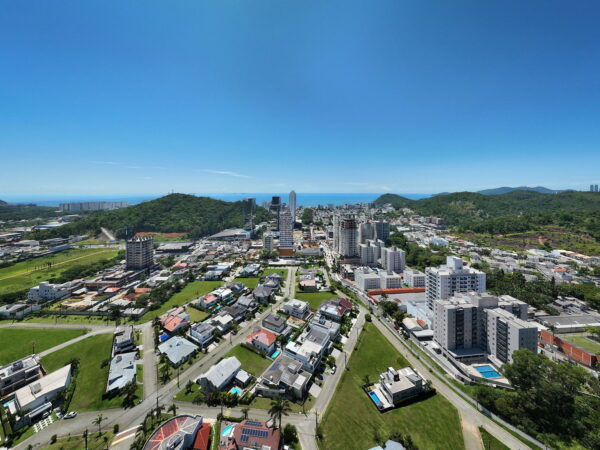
x: 174, y: 213
x: 26, y: 212
x: 514, y: 211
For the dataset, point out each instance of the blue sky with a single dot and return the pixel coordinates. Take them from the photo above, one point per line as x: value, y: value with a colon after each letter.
x: 265, y: 96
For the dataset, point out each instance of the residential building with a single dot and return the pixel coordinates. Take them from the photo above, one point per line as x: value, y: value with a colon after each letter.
x: 284, y: 378
x: 296, y: 308
x: 286, y: 233
x: 222, y: 322
x: 347, y: 231
x: 393, y: 259
x: 366, y: 232
x: 263, y: 294
x: 335, y: 309
x: 19, y: 373
x: 139, y: 252
x: 325, y: 325
x: 92, y: 206
x: 268, y: 241
x: 370, y: 252
x: 382, y: 229
x: 124, y: 340
x: 220, y: 375
x: 390, y: 280
x: 263, y: 340
x: 37, y: 397
x: 251, y: 270
x: 444, y: 281
x: 292, y: 201
x: 178, y: 350
x: 183, y: 432
x: 276, y: 323
x: 248, y: 303
x: 366, y: 279
x: 414, y: 278
x: 175, y: 319
x: 507, y: 333
x: 397, y: 385
x: 309, y: 349
x: 201, y: 333
x: 121, y: 372
x: 251, y: 435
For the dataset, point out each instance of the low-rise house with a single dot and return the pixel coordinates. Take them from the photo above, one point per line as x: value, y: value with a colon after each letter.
x: 124, y: 341
x: 236, y: 311
x: 284, y: 378
x: 251, y: 435
x: 263, y: 340
x: 202, y: 333
x: 206, y: 302
x: 308, y: 285
x: 222, y: 322
x: 121, y: 372
x: 19, y: 373
x: 251, y: 270
x: 237, y: 288
x: 335, y: 309
x: 175, y: 319
x: 18, y: 310
x: 178, y: 350
x: 309, y: 349
x: 272, y: 283
x: 296, y: 308
x: 248, y: 303
x: 396, y: 385
x: 276, y: 324
x: 325, y: 325
x: 220, y: 375
x: 223, y: 293
x: 263, y: 294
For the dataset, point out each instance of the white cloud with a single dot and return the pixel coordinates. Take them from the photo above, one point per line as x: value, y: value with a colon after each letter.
x: 227, y: 173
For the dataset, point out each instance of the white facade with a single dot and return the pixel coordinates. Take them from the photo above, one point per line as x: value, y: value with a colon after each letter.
x: 268, y: 241
x: 367, y: 279
x: 393, y: 259
x: 414, y: 278
x: 49, y: 292
x: 286, y: 231
x: 507, y: 333
x: 442, y: 282
x: 293, y: 205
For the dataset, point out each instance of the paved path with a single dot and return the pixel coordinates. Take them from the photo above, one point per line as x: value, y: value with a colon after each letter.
x: 149, y: 360
x: 72, y: 341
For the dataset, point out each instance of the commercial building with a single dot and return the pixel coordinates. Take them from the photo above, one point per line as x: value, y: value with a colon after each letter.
x: 443, y: 282
x: 46, y: 291
x: 139, y: 253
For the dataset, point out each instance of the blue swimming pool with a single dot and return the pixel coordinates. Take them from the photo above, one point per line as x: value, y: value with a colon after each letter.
x: 275, y: 354
x: 235, y: 390
x: 375, y: 399
x: 227, y: 430
x: 488, y: 372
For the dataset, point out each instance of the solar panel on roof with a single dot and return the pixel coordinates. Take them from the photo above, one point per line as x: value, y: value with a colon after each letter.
x: 244, y: 438
x: 253, y: 423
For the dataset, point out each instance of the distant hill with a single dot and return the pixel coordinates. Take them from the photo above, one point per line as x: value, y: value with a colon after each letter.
x: 25, y: 212
x: 506, y: 189
x: 174, y: 213
x: 3, y: 203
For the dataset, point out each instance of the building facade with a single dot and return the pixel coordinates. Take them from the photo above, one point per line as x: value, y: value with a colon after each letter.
x: 443, y: 282
x: 139, y: 252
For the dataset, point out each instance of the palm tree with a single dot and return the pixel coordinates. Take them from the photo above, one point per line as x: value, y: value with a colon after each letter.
x: 173, y: 409
x: 98, y: 421
x: 85, y: 438
x: 245, y: 412
x: 159, y: 409
x: 165, y: 371
x: 279, y: 407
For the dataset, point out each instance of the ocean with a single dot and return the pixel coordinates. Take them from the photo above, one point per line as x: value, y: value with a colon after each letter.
x: 133, y: 199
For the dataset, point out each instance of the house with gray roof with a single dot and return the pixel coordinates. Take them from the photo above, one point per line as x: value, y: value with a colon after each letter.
x: 201, y: 333
x: 178, y: 350
x: 263, y: 294
x: 248, y: 303
x: 121, y: 372
x: 220, y: 375
x: 284, y: 378
x: 276, y: 324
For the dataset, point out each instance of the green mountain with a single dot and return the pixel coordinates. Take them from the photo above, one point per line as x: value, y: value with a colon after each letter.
x: 25, y: 212
x: 506, y: 189
x: 174, y: 213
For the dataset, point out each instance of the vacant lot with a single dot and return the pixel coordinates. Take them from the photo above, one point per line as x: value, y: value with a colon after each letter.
x: 352, y: 421
x: 314, y: 299
x: 251, y: 362
x: 282, y: 272
x: 191, y: 291
x: 250, y: 283
x: 92, y: 377
x: 26, y: 274
x: 20, y: 342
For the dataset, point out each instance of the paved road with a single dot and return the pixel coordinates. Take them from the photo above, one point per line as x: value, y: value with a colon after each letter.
x: 149, y: 359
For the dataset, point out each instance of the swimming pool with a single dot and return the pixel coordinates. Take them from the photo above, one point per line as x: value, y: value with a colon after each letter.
x: 235, y: 390
x: 488, y: 372
x: 227, y: 430
x: 275, y: 354
x: 375, y: 399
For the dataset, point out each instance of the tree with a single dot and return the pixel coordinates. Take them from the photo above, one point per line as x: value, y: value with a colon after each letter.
x: 279, y: 407
x: 173, y: 409
x: 188, y: 386
x: 290, y: 434
x: 594, y: 331
x: 85, y: 438
x: 165, y: 372
x: 245, y: 413
x: 98, y: 421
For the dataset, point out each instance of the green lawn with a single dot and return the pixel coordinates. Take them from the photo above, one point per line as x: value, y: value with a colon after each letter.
x: 139, y: 378
x: 26, y: 274
x: 283, y: 272
x: 314, y: 299
x: 490, y: 442
x: 191, y: 291
x: 352, y: 421
x: 251, y: 362
x: 95, y: 441
x: 197, y: 315
x: 250, y: 283
x: 92, y: 377
x: 72, y: 320
x: 22, y: 341
x: 184, y: 396
x: 265, y: 403
x: 583, y: 342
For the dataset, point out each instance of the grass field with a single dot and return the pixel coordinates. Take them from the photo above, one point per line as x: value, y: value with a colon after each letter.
x: 352, y: 421
x: 22, y: 341
x: 26, y: 274
x: 251, y: 362
x: 314, y: 299
x: 250, y: 283
x: 92, y: 377
x: 490, y: 442
x: 72, y: 320
x: 196, y: 315
x: 583, y: 341
x: 95, y: 441
x: 191, y: 291
x: 283, y: 272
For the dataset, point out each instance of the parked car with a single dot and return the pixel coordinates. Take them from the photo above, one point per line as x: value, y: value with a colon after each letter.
x: 70, y: 415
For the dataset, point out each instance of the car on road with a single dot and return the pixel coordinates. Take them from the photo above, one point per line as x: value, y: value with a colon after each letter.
x: 71, y: 415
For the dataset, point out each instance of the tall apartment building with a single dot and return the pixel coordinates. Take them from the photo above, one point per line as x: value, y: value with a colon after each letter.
x: 347, y: 231
x: 92, y: 206
x: 268, y: 241
x: 382, y: 229
x: 286, y: 232
x: 139, y: 252
x: 444, y: 281
x: 414, y: 278
x: 473, y: 326
x: 370, y: 252
x: 293, y: 206
x: 366, y: 232
x: 249, y: 212
x: 393, y: 259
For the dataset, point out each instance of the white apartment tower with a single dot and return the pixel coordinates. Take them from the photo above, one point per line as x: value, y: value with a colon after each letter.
x: 268, y: 241
x: 393, y: 259
x: 286, y: 230
x: 293, y: 206
x: 444, y: 281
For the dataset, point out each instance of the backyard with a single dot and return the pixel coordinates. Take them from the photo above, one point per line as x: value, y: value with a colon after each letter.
x: 25, y: 341
x: 26, y: 274
x: 92, y: 377
x: 314, y: 299
x: 251, y: 362
x: 352, y: 420
x: 191, y: 291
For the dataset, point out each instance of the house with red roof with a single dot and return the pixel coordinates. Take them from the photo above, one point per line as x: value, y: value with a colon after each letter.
x: 263, y: 340
x: 175, y: 319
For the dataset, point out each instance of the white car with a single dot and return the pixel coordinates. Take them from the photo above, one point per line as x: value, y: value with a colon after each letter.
x: 70, y: 415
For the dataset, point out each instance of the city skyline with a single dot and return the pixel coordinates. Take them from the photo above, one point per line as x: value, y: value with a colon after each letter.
x: 210, y: 97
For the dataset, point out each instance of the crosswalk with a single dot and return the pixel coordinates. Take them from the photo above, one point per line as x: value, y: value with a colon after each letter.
x: 39, y: 426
